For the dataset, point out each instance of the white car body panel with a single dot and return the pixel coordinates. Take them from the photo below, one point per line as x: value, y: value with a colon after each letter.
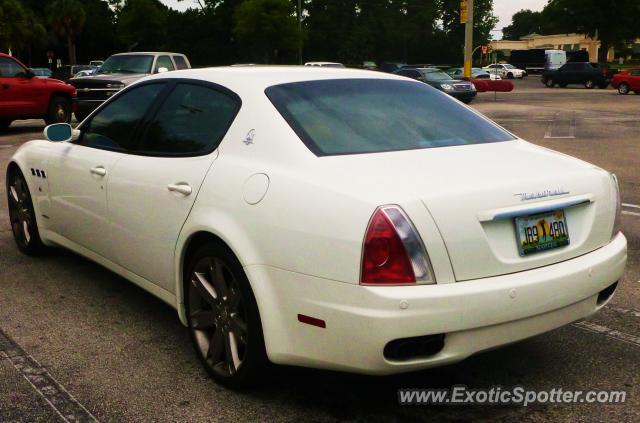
x: 297, y: 222
x: 503, y: 71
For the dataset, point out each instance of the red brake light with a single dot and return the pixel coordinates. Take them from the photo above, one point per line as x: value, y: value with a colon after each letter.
x: 385, y: 260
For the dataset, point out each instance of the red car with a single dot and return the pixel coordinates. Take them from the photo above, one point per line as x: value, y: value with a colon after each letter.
x: 627, y: 81
x: 23, y: 96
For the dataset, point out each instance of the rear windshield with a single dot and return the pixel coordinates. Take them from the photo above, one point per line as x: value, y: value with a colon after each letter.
x: 353, y: 116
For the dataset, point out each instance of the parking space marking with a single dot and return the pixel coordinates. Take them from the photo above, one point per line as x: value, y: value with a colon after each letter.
x: 630, y: 213
x: 62, y: 402
x: 625, y: 311
x: 633, y: 206
x: 560, y: 125
x: 6, y: 145
x: 610, y: 333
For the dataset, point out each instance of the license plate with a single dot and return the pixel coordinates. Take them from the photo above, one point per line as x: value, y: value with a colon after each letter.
x: 541, y: 232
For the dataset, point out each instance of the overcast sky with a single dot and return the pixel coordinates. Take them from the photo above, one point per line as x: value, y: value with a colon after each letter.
x: 503, y: 9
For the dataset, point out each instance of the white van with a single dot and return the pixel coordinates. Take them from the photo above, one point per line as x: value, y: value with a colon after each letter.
x: 554, y: 59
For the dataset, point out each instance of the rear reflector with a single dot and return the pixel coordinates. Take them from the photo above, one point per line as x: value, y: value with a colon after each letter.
x: 311, y: 321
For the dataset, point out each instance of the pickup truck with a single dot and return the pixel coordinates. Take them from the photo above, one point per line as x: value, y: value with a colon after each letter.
x: 117, y: 72
x: 23, y: 96
x: 582, y: 73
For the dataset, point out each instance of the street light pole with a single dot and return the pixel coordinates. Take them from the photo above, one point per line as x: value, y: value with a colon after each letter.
x: 299, y: 10
x: 468, y: 40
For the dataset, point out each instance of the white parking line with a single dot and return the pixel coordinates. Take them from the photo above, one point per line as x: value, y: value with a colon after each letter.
x: 625, y: 311
x: 633, y: 206
x: 630, y: 213
x: 609, y: 333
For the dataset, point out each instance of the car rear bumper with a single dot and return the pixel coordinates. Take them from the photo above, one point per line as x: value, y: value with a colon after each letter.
x: 473, y: 315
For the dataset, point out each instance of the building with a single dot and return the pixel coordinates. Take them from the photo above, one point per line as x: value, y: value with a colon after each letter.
x: 567, y: 42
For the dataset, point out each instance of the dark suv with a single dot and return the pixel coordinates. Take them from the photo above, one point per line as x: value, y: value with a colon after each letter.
x: 582, y: 73
x: 117, y: 72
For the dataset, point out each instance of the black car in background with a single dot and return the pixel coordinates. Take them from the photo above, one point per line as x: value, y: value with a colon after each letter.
x: 464, y: 91
x: 582, y: 73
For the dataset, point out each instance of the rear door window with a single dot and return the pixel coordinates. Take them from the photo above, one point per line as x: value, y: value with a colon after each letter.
x: 352, y: 116
x: 192, y: 121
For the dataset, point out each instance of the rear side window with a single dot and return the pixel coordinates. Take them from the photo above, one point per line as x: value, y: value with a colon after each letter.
x: 352, y: 116
x: 635, y: 73
x: 191, y: 121
x: 113, y: 127
x: 181, y: 63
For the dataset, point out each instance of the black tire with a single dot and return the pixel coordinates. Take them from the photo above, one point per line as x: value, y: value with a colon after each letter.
x: 589, y: 84
x: 230, y: 318
x: 563, y: 85
x: 624, y: 89
x: 467, y: 100
x: 4, y: 124
x: 22, y: 215
x: 510, y: 75
x: 550, y: 83
x: 59, y: 111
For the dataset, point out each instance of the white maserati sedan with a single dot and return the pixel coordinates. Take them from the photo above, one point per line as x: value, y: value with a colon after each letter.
x: 330, y: 218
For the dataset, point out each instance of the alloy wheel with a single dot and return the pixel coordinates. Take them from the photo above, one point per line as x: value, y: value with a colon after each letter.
x: 217, y: 316
x: 61, y: 113
x: 20, y: 211
x: 623, y: 89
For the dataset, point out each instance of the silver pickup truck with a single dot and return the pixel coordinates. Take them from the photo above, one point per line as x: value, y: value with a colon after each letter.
x: 117, y: 72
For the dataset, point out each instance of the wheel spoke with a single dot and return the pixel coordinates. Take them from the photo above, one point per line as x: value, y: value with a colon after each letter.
x: 238, y: 327
x: 14, y: 194
x: 216, y: 346
x: 203, y: 319
x: 235, y: 357
x: 25, y: 231
x: 234, y: 299
x: 217, y: 278
x: 207, y: 292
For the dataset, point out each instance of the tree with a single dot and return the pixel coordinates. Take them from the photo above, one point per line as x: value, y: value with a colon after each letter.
x: 483, y: 22
x: 614, y: 23
x: 19, y: 28
x: 67, y: 18
x: 142, y: 25
x: 523, y: 23
x: 266, y: 29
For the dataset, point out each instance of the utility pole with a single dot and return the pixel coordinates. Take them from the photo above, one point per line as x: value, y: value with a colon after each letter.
x: 466, y: 17
x: 299, y: 10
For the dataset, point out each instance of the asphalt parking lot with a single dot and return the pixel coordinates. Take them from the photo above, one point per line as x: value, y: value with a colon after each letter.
x: 87, y: 343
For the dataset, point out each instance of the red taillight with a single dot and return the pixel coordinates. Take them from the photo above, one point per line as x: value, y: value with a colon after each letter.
x: 384, y: 258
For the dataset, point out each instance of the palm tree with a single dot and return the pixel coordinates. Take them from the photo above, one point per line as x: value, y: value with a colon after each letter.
x: 67, y: 19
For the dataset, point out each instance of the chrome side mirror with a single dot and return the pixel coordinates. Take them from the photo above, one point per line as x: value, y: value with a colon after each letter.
x: 59, y: 132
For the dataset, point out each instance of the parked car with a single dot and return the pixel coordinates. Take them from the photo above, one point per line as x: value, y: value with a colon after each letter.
x: 582, y: 73
x: 42, y: 72
x: 505, y: 70
x: 464, y: 91
x: 117, y: 72
x: 390, y: 67
x: 325, y: 64
x: 627, y: 81
x: 86, y: 72
x: 66, y: 72
x: 476, y: 73
x: 339, y: 219
x: 23, y: 96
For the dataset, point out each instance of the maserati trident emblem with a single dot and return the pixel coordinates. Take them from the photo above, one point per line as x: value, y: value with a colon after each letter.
x: 249, y: 138
x: 526, y: 196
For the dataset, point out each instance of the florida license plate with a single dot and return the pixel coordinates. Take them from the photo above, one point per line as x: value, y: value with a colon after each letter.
x: 541, y: 232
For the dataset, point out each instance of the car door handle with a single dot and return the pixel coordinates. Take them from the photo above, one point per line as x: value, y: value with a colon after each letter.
x: 98, y: 170
x: 181, y: 188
